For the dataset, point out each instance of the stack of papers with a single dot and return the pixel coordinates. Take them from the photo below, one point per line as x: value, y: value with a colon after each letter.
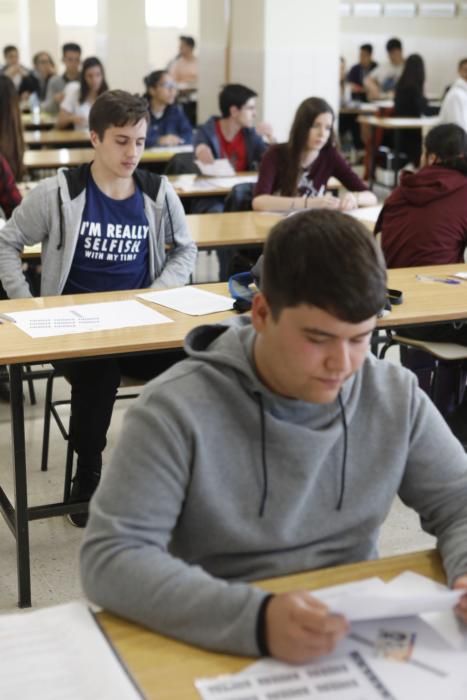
x: 190, y: 300
x: 366, y: 213
x: 60, y: 653
x: 405, y: 642
x: 220, y: 168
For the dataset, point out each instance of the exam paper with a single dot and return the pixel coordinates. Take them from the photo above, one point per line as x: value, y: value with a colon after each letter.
x: 86, y: 318
x: 366, y: 213
x: 59, y: 653
x: 386, y: 602
x: 190, y: 300
x: 220, y: 168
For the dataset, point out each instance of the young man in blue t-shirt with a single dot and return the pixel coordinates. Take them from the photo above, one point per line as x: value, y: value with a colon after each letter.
x: 103, y: 226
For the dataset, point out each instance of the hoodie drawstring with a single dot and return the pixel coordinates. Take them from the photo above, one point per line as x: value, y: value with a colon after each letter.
x: 60, y: 217
x: 344, y: 458
x: 264, y: 494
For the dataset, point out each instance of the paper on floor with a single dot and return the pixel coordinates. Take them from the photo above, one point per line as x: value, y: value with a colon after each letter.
x: 86, y: 318
x: 190, y: 300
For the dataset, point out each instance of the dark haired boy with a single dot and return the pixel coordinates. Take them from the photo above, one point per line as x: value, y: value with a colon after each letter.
x: 13, y: 68
x: 359, y: 71
x: 384, y: 77
x: 79, y: 216
x: 71, y: 58
x: 233, y: 135
x: 277, y: 447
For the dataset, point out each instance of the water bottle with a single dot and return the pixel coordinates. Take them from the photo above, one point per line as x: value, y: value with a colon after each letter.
x: 35, y: 107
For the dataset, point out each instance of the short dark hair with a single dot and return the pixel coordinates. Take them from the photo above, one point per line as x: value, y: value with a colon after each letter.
x: 234, y: 95
x: 9, y: 48
x: 71, y: 46
x: 367, y: 47
x: 116, y: 108
x: 393, y: 44
x: 325, y: 259
x: 461, y: 63
x: 188, y: 40
x: 448, y: 142
x: 153, y: 79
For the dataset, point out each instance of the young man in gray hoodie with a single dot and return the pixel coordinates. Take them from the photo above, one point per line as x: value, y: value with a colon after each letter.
x: 278, y: 446
x: 103, y: 226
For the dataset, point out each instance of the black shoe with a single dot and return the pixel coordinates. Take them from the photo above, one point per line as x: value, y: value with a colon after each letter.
x: 82, y: 489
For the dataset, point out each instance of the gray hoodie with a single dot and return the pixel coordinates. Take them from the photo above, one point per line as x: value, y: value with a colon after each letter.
x: 217, y: 481
x: 51, y: 214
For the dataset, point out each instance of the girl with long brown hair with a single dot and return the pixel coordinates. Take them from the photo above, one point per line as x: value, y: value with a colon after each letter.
x: 11, y: 146
x: 293, y: 175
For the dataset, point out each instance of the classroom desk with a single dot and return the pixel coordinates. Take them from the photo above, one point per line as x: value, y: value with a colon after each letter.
x: 56, y: 137
x: 58, y: 157
x: 423, y: 303
x: 396, y: 124
x: 42, y: 121
x: 166, y: 669
x: 17, y: 349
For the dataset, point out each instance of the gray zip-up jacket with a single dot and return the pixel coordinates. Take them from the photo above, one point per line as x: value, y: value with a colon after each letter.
x: 217, y: 481
x: 51, y: 214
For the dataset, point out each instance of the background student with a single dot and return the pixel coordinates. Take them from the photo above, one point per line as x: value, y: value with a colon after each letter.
x: 71, y: 58
x: 454, y: 107
x: 80, y: 96
x: 13, y: 68
x: 261, y: 455
x: 293, y: 175
x: 384, y: 77
x: 168, y: 125
x: 37, y: 81
x: 424, y: 222
x: 410, y: 101
x: 357, y: 74
x: 157, y: 251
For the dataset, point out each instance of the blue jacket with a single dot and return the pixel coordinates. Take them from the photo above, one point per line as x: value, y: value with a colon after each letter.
x: 173, y: 121
x: 255, y: 146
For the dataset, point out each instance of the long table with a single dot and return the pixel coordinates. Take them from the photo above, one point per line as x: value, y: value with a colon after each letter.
x: 39, y: 138
x: 166, y: 669
x: 423, y: 303
x: 51, y: 158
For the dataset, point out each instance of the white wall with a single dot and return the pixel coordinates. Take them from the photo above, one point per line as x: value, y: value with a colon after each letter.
x: 441, y: 42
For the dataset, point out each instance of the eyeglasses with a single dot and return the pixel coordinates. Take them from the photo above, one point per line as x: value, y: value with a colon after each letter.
x: 168, y: 85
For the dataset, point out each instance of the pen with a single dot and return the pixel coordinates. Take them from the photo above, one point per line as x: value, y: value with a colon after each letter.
x: 320, y: 191
x: 431, y: 278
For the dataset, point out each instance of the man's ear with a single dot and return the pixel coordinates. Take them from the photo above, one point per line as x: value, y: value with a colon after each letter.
x: 431, y: 158
x: 260, y: 312
x: 94, y: 138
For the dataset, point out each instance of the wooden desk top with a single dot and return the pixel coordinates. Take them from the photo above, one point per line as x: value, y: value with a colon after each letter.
x: 58, y: 157
x: 56, y: 137
x: 166, y: 669
x: 398, y: 122
x: 231, y: 228
x: 43, y: 121
x: 18, y: 347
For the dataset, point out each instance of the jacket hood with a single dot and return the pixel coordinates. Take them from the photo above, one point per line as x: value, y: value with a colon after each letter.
x: 430, y: 183
x: 229, y: 347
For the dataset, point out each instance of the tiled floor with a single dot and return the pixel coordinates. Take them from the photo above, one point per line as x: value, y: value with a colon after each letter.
x: 55, y: 543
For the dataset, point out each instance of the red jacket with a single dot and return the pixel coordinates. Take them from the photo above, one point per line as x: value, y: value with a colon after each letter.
x: 424, y: 220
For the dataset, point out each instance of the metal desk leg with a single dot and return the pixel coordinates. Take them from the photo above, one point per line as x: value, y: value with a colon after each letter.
x: 397, y: 151
x: 372, y: 177
x: 20, y: 485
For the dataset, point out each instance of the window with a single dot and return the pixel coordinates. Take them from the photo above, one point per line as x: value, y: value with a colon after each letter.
x: 166, y: 13
x: 80, y: 13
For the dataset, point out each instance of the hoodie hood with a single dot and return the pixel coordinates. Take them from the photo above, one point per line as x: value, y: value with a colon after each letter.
x: 432, y: 182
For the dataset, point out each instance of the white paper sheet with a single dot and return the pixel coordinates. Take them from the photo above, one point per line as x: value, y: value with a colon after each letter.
x: 190, y: 300
x: 366, y: 213
x: 387, y: 603
x: 86, y: 318
x: 59, y: 653
x: 184, y: 148
x: 220, y: 168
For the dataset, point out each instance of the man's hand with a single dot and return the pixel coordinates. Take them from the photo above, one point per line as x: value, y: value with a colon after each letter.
x: 300, y: 628
x: 461, y: 607
x: 265, y: 130
x: 204, y: 154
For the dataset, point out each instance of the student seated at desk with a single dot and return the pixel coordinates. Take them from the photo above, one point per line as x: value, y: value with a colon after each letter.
x: 75, y: 215
x: 424, y: 222
x: 410, y: 101
x: 168, y: 125
x: 277, y: 447
x: 454, y: 107
x: 80, y: 96
x: 293, y: 175
x: 71, y: 58
x: 383, y: 79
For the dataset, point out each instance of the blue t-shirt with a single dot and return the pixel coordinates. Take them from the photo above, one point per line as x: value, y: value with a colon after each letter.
x: 112, y: 251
